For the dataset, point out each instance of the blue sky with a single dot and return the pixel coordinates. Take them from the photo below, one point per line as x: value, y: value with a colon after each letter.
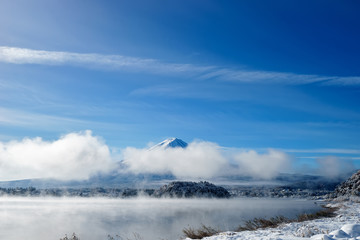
x: 244, y: 74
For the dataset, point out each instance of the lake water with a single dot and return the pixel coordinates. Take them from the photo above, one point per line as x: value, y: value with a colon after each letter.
x: 95, y: 218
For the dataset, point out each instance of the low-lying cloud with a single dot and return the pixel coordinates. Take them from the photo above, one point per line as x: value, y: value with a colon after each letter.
x: 332, y: 166
x: 78, y: 156
x: 265, y: 166
x: 205, y: 160
x: 197, y: 160
x: 75, y: 156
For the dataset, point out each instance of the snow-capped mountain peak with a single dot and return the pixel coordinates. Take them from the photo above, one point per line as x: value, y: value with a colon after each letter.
x: 170, y: 143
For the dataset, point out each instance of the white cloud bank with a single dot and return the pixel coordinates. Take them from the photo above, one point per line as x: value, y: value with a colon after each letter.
x: 75, y: 156
x: 263, y: 166
x: 198, y: 160
x: 332, y: 166
x: 78, y: 156
x: 205, y: 160
x: 29, y: 56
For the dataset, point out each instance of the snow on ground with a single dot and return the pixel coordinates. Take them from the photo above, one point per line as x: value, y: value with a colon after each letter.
x: 346, y: 225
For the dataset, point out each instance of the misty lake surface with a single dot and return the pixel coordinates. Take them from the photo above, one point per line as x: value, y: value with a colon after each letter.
x: 95, y: 218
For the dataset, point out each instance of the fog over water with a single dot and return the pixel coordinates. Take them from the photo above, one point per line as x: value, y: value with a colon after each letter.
x: 95, y: 218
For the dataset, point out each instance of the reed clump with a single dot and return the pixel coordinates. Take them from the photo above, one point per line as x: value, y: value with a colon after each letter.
x: 257, y: 223
x: 326, y: 212
x: 203, y: 231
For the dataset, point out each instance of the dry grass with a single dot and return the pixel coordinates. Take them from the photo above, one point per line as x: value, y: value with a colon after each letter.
x: 325, y: 213
x: 257, y: 223
x: 260, y: 223
x: 200, y: 233
x: 274, y: 222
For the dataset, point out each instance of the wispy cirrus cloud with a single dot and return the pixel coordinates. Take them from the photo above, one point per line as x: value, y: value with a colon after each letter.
x: 34, y: 120
x: 116, y: 62
x: 124, y: 63
x: 324, y: 150
x: 13, y: 117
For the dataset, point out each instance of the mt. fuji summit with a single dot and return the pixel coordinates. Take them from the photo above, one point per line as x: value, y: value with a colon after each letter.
x: 170, y: 143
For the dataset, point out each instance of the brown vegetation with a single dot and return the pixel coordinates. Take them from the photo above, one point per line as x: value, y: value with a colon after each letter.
x: 258, y: 223
x: 325, y: 213
x: 200, y: 233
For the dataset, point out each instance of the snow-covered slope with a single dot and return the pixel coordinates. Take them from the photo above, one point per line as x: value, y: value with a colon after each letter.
x: 170, y: 143
x: 350, y: 187
x: 346, y: 225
